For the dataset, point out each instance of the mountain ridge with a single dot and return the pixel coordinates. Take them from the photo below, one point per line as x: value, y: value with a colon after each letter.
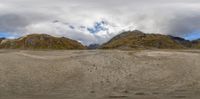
x: 41, y: 41
x: 127, y: 40
x: 140, y: 40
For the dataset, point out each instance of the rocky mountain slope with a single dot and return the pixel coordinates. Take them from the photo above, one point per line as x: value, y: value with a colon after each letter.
x: 1, y: 39
x: 138, y: 39
x: 196, y: 44
x: 41, y: 41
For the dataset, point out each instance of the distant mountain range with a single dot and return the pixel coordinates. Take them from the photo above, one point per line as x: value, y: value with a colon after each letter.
x: 93, y: 46
x: 126, y: 40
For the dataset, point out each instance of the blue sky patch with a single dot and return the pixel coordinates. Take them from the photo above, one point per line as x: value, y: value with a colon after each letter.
x: 8, y: 35
x: 192, y: 36
x: 98, y: 26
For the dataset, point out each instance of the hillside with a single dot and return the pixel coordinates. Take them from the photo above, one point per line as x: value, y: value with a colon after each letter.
x: 41, y: 41
x: 196, y: 44
x: 1, y: 39
x: 137, y: 39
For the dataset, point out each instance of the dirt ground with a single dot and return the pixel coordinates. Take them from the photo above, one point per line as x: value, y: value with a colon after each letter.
x: 100, y: 74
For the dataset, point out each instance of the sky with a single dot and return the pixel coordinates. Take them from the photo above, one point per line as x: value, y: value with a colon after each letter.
x: 97, y: 21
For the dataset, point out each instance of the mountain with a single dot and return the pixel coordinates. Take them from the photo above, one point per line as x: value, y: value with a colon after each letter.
x: 196, y: 44
x: 1, y: 39
x: 139, y: 40
x: 182, y: 41
x: 41, y: 41
x: 93, y: 46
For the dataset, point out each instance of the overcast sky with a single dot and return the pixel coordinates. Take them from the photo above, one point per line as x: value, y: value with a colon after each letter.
x: 96, y: 21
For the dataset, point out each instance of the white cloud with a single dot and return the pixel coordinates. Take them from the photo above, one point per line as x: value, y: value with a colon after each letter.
x: 175, y: 17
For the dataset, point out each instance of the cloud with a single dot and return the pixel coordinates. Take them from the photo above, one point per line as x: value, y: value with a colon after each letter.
x: 12, y: 23
x: 79, y: 19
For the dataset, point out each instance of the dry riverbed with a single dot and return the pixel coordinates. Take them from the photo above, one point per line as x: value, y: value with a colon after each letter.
x: 100, y: 74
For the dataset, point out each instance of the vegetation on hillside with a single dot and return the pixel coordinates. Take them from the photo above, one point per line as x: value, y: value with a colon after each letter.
x: 41, y: 41
x: 196, y: 44
x: 126, y: 40
x: 138, y: 39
